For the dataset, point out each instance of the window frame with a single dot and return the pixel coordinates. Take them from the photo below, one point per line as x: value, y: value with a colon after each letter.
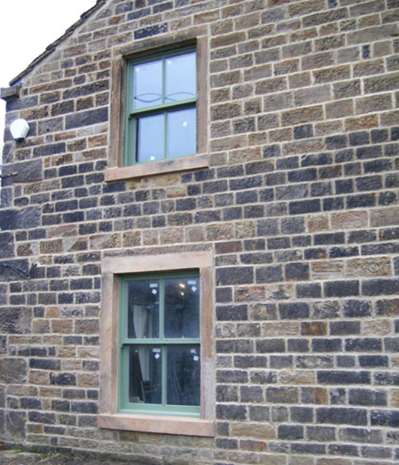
x: 162, y: 341
x: 116, y: 170
x: 110, y: 416
x: 132, y: 114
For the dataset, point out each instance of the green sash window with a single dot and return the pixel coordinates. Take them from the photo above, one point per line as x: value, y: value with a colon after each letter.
x: 161, y: 114
x: 160, y: 362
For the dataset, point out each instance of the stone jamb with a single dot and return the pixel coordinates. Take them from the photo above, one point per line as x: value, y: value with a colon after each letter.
x: 109, y: 417
x: 116, y: 170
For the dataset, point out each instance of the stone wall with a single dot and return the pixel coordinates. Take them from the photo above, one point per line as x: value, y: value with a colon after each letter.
x: 299, y: 205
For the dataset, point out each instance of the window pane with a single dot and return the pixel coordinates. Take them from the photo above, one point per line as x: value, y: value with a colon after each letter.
x: 147, y: 84
x: 143, y: 309
x: 150, y: 143
x: 182, y: 308
x: 181, y: 77
x: 182, y: 133
x: 183, y: 375
x: 145, y: 374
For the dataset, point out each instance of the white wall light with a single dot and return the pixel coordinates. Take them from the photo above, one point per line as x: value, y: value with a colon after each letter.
x: 19, y: 129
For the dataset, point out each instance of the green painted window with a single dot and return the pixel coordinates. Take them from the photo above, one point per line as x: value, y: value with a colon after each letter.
x: 160, y: 362
x: 161, y: 116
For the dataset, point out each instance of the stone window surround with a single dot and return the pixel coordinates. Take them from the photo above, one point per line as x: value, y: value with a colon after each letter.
x: 116, y: 170
x: 109, y: 417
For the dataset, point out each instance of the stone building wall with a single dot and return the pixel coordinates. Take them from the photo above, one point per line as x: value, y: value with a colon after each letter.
x: 299, y: 206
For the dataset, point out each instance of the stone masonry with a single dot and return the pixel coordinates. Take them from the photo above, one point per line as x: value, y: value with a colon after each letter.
x: 299, y: 206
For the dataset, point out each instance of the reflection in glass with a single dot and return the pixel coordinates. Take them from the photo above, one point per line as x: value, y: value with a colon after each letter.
x: 181, y: 308
x: 181, y: 82
x: 145, y: 374
x: 183, y: 375
x: 147, y: 84
x: 150, y: 144
x: 143, y: 309
x: 181, y: 134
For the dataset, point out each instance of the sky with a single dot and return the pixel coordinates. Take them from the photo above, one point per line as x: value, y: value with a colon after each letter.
x: 27, y: 27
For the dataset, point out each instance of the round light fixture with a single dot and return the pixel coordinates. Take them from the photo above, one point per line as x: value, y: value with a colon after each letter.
x: 19, y: 129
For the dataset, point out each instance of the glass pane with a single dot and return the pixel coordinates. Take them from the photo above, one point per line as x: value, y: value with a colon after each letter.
x: 181, y: 77
x: 143, y: 309
x: 182, y: 133
x: 145, y: 374
x: 182, y: 308
x: 147, y: 84
x: 150, y: 141
x: 183, y: 375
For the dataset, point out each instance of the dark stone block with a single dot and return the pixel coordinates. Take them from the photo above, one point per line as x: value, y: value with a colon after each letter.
x: 304, y: 175
x: 341, y: 416
x: 13, y: 370
x: 298, y: 345
x: 344, y: 327
x: 26, y: 218
x: 385, y: 418
x: 246, y: 183
x: 232, y: 313
x: 373, y: 452
x: 150, y: 31
x: 270, y: 346
x: 343, y: 377
x: 297, y: 272
x: 42, y: 417
x: 321, y: 433
x: 234, y: 275
x: 357, y: 308
x: 339, y: 252
x: 14, y: 320
x: 44, y: 364
x: 61, y: 405
x: 251, y: 394
x: 305, y: 206
x: 63, y: 379
x: 249, y: 361
x: 373, y: 361
x: 377, y: 166
x: 87, y: 89
x: 281, y: 361
x: 369, y: 183
x: 86, y: 118
x: 343, y: 449
x: 361, y: 201
x: 363, y: 345
x: 29, y: 171
x: 294, y: 310
x: 259, y: 413
x: 303, y: 132
x: 306, y: 448
x: 367, y: 397
x: 374, y: 287
x: 326, y: 345
x: 51, y: 149
x: 290, y: 432
x: 267, y: 227
x: 336, y: 142
x: 282, y: 395
x: 341, y: 288
x: 269, y: 274
x: 359, y: 138
x: 246, y: 197
x: 231, y: 412
x: 6, y: 244
x: 84, y: 407
x: 256, y: 258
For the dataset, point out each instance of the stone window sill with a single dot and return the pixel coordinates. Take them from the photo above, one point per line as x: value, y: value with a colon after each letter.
x: 160, y: 167
x: 158, y: 424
